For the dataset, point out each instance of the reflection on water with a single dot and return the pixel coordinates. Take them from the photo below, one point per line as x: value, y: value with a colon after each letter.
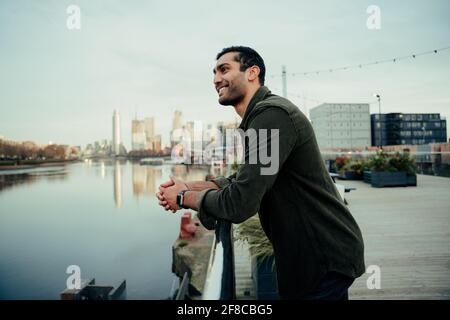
x: 144, y: 179
x: 191, y: 173
x: 117, y: 183
x: 11, y: 178
x: 86, y: 214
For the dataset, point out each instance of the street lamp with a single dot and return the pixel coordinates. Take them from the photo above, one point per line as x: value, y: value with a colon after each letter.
x: 376, y: 95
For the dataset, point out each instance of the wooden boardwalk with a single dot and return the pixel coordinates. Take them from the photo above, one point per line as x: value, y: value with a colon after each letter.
x: 243, y: 273
x: 406, y: 233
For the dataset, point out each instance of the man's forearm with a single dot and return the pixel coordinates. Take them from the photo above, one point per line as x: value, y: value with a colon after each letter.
x: 190, y: 199
x: 201, y: 185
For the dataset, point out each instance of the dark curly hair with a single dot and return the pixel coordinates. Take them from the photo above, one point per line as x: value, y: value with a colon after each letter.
x: 247, y: 57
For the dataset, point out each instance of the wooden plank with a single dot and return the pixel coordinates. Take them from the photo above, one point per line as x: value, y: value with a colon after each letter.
x: 406, y: 233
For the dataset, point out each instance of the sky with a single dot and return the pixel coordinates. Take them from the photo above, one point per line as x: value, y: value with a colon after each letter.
x: 150, y: 58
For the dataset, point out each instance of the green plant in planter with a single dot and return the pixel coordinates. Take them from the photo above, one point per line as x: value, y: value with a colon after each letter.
x: 380, y: 162
x: 263, y: 262
x: 340, y: 162
x: 355, y: 166
x: 251, y: 231
x: 403, y: 162
x: 365, y: 166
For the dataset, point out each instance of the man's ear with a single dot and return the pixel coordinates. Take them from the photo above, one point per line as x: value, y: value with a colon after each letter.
x: 253, y: 73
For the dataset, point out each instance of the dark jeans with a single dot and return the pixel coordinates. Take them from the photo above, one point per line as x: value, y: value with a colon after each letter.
x: 333, y: 286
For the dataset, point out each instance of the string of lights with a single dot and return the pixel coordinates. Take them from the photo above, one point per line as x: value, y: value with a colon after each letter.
x: 362, y: 65
x: 305, y: 97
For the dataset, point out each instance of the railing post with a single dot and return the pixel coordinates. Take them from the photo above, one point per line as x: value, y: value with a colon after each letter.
x: 224, y: 235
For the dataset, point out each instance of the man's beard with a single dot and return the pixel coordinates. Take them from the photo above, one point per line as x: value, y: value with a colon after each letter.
x: 233, y: 96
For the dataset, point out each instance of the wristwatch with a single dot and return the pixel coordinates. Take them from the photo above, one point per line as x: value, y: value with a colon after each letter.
x: 180, y: 199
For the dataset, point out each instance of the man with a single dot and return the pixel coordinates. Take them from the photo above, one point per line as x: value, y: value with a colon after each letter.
x: 317, y: 244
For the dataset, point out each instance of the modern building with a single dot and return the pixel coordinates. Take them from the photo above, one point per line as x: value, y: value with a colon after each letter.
x: 116, y: 133
x: 149, y: 128
x: 156, y: 143
x: 177, y: 120
x: 407, y: 128
x: 341, y: 125
x: 143, y: 135
x: 176, y: 134
x: 138, y: 137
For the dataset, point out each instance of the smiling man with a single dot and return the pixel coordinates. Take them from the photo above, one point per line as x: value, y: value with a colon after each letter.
x: 317, y: 244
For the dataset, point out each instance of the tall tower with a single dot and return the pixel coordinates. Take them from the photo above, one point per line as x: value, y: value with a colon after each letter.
x: 138, y: 134
x: 177, y: 125
x: 177, y: 122
x: 116, y: 133
x: 149, y: 127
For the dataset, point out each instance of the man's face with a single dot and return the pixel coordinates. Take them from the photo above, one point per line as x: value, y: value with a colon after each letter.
x: 230, y: 82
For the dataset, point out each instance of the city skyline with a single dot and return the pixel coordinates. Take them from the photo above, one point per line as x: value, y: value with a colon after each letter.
x: 152, y: 59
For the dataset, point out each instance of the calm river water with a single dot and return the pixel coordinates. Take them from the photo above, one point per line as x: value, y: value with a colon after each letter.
x: 102, y: 216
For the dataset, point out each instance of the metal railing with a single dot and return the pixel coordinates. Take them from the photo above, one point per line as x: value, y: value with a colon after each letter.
x: 220, y: 279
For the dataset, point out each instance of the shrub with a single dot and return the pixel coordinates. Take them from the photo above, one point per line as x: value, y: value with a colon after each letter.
x: 356, y: 166
x: 393, y: 163
x: 251, y: 231
x: 340, y: 162
x: 403, y: 162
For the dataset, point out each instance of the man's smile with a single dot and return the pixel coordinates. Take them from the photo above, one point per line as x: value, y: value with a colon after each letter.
x: 221, y: 89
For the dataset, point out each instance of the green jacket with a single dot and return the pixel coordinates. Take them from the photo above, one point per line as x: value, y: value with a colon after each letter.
x: 300, y: 209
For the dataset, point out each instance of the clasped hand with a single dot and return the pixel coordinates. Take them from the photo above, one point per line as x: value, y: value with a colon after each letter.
x: 168, y: 192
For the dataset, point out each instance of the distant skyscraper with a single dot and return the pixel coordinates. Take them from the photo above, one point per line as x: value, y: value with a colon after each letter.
x: 138, y: 138
x: 116, y: 133
x: 149, y: 127
x: 177, y: 126
x: 177, y: 122
x: 156, y: 143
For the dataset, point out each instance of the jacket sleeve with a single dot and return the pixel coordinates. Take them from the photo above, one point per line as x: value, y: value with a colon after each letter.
x: 241, y: 198
x: 222, y: 182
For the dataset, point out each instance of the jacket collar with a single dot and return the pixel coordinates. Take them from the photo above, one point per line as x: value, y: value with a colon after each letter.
x: 259, y: 95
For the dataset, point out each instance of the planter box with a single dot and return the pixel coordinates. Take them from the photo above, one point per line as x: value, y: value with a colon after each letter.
x: 388, y: 179
x: 351, y: 175
x: 265, y: 278
x: 412, y: 180
x: 367, y: 176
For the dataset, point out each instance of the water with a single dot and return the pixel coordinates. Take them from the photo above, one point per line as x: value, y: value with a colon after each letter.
x: 102, y: 216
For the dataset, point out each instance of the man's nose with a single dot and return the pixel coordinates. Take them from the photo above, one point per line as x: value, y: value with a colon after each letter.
x: 217, y: 79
